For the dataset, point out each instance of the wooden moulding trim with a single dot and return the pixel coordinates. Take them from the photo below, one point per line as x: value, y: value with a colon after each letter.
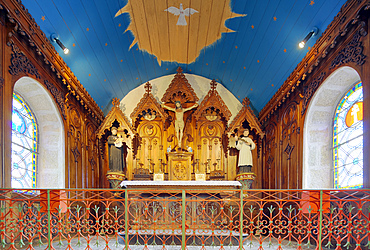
x: 313, y: 58
x: 21, y: 18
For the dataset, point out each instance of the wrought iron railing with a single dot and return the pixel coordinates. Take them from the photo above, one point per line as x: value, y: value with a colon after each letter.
x: 184, y: 219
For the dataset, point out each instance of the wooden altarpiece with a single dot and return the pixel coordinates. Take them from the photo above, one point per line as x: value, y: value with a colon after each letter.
x: 204, y: 148
x: 180, y: 160
x: 148, y: 119
x: 116, y: 116
x: 211, y: 119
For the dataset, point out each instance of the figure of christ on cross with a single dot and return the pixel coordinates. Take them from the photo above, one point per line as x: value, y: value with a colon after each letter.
x: 179, y: 119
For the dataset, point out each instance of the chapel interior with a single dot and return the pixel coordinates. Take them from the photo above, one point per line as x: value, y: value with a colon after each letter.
x: 151, y: 124
x: 231, y: 66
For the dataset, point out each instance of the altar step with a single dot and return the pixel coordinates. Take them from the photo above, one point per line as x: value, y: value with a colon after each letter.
x: 196, y: 237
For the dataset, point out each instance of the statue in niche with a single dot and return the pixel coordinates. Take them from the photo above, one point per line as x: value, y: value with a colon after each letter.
x: 179, y: 119
x: 116, y: 150
x: 245, y: 145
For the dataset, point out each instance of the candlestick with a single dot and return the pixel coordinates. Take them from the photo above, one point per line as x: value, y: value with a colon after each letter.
x: 160, y: 165
x: 193, y: 164
x: 152, y: 168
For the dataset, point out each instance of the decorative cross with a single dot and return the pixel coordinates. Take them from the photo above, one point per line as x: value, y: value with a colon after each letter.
x: 115, y: 102
x: 148, y: 87
x: 354, y: 112
x: 179, y: 70
x: 246, y: 101
x: 213, y: 85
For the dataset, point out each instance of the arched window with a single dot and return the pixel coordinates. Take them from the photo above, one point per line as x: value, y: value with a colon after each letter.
x: 348, y: 140
x: 24, y: 145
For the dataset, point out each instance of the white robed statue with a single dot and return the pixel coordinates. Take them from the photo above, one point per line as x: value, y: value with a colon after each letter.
x: 245, y: 145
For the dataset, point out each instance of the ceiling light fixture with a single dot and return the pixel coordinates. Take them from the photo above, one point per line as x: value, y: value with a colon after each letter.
x: 55, y: 38
x: 312, y: 33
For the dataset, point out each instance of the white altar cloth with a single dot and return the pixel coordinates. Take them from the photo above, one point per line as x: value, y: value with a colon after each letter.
x: 179, y: 184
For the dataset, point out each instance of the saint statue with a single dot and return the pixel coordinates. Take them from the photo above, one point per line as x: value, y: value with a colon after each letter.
x: 245, y: 145
x: 116, y: 151
x: 179, y: 119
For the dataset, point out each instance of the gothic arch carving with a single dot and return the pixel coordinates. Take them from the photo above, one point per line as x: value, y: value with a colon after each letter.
x: 179, y: 90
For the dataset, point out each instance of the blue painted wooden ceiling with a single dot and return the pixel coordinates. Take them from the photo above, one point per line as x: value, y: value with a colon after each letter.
x: 253, y: 56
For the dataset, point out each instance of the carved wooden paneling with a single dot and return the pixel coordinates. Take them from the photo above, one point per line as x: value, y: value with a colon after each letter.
x: 150, y: 155
x: 270, y: 159
x: 211, y: 156
x: 28, y: 52
x: 75, y: 149
x: 2, y: 173
x: 58, y: 97
x: 20, y: 64
x: 353, y: 52
x: 92, y: 156
x: 344, y: 43
x: 289, y: 148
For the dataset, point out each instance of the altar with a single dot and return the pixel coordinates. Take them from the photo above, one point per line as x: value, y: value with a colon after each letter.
x: 169, y: 204
x: 176, y: 186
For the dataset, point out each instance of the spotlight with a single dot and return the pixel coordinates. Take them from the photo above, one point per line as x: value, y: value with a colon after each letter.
x: 313, y: 32
x: 55, y: 38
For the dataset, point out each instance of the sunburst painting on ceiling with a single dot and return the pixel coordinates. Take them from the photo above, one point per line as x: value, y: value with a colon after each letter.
x: 177, y: 31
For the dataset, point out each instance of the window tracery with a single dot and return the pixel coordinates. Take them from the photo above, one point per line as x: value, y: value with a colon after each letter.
x: 24, y: 145
x: 348, y: 140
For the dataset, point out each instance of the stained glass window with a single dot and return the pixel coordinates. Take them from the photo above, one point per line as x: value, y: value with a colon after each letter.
x: 24, y: 145
x: 348, y: 140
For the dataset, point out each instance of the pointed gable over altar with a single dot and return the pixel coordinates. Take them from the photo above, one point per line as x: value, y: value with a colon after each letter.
x: 179, y: 90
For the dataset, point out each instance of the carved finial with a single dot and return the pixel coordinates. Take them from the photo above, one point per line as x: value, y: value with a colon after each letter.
x: 115, y: 102
x: 246, y: 101
x: 179, y: 70
x: 148, y: 87
x: 213, y: 85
